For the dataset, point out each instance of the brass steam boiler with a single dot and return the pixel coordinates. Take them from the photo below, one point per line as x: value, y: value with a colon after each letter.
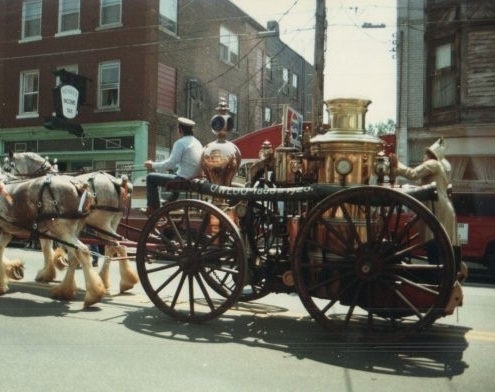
x: 346, y: 154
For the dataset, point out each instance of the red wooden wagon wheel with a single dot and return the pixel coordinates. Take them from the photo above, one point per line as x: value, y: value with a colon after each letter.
x: 191, y: 260
x: 360, y: 263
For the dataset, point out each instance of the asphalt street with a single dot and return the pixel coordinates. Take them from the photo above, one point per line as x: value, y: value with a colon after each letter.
x: 125, y: 344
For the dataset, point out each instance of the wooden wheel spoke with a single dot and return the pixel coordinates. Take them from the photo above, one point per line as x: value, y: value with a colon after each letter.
x: 167, y: 282
x: 192, y: 302
x: 355, y: 237
x: 326, y: 282
x: 177, y: 290
x: 415, y: 267
x: 204, y: 291
x: 408, y: 303
x: 342, y: 252
x: 177, y: 233
x: 419, y: 286
x: 162, y: 268
x: 327, y: 307
x: 387, y: 215
x: 404, y: 232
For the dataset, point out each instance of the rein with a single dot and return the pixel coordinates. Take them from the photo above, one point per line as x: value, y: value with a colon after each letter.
x: 98, y: 230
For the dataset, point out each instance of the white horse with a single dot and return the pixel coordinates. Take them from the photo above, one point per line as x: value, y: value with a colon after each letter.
x: 50, y: 207
x: 111, y: 195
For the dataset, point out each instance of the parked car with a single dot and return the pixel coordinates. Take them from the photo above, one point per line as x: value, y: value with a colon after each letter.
x: 476, y: 224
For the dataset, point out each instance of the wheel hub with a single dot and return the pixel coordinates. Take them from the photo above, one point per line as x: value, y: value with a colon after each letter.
x: 372, y: 257
x: 370, y: 261
x: 368, y: 266
x: 190, y: 261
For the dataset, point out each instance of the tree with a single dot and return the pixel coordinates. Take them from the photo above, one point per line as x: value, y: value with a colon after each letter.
x: 382, y: 128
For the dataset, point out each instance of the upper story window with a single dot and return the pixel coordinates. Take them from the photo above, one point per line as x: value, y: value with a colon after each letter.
x: 168, y: 15
x: 109, y: 85
x: 268, y: 68
x: 29, y: 93
x: 295, y: 86
x: 68, y: 16
x: 259, y: 69
x: 232, y: 100
x: 110, y: 13
x: 31, y: 19
x: 229, y: 46
x: 442, y: 76
x: 166, y: 88
x: 267, y: 115
x: 285, y: 81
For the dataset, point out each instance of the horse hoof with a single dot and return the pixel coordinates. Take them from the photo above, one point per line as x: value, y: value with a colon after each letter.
x: 125, y: 286
x: 60, y: 293
x: 18, y: 273
x: 45, y: 277
x: 14, y: 269
x: 95, y: 294
x: 91, y: 299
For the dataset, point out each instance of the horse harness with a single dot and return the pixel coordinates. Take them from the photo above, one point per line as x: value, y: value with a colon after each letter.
x: 123, y: 197
x: 83, y: 210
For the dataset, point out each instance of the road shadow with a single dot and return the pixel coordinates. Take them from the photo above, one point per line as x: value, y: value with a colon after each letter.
x: 436, y: 352
x: 35, y: 301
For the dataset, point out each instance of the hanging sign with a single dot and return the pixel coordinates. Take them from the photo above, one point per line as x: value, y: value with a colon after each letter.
x: 292, y: 123
x: 69, y: 97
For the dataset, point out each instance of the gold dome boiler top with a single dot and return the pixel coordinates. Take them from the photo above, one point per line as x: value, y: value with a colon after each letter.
x: 346, y: 152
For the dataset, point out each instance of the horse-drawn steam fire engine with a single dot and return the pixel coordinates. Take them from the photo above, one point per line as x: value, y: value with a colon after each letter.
x: 325, y: 221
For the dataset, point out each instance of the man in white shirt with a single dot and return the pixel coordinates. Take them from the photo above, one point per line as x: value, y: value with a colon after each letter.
x: 184, y: 160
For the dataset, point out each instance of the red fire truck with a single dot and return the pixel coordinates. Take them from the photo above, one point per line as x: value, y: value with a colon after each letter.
x: 476, y: 226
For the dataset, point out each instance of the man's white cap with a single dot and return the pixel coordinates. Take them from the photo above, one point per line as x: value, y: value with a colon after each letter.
x: 186, y: 122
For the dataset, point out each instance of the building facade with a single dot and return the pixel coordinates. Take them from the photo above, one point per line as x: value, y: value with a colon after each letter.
x: 446, y: 86
x: 144, y: 63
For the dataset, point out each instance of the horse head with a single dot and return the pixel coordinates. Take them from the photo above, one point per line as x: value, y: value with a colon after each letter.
x: 27, y: 164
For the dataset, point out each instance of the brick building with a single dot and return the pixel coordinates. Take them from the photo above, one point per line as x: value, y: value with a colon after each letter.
x: 446, y: 86
x: 145, y: 63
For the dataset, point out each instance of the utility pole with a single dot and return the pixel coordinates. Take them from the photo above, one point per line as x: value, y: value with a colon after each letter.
x: 319, y: 65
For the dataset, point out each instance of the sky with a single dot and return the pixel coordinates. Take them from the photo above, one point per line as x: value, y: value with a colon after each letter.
x: 359, y: 62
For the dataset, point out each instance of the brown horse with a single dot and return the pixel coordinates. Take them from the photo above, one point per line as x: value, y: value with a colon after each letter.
x: 111, y: 195
x: 50, y: 207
